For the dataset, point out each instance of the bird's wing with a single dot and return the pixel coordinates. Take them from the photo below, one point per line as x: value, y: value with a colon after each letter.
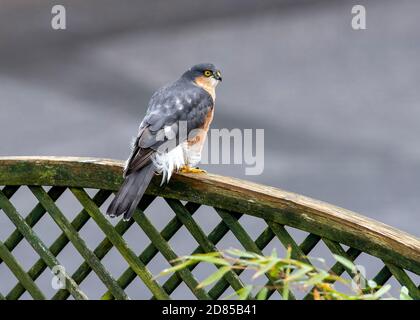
x: 170, y: 107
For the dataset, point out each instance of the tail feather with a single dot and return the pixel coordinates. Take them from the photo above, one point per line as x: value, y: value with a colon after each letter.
x: 131, y: 192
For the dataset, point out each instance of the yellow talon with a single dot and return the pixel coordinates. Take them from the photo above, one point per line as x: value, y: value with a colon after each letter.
x: 187, y: 169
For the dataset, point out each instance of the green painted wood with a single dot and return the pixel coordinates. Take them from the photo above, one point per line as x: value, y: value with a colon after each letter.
x: 38, y: 245
x: 101, y: 250
x: 199, y: 235
x: 279, y: 208
x: 19, y: 273
x: 119, y: 243
x: 58, y: 245
x: 9, y: 191
x: 245, y: 241
x: 305, y: 247
x: 150, y: 252
x: 351, y: 254
x: 166, y: 250
x: 261, y: 242
x: 78, y: 242
x: 285, y: 238
x: 404, y: 280
x: 338, y: 269
x: 269, y: 203
x: 383, y: 276
x: 309, y: 243
x: 214, y: 236
x: 32, y: 218
x: 336, y: 249
x: 61, y: 171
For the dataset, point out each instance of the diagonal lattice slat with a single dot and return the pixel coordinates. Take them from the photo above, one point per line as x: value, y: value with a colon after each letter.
x: 58, y: 245
x: 19, y: 273
x: 119, y: 243
x: 214, y: 236
x: 244, y: 239
x: 33, y: 217
x: 404, y: 279
x: 201, y: 238
x: 160, y: 238
x: 78, y: 242
x: 150, y: 252
x: 338, y: 269
x: 38, y: 245
x: 261, y: 242
x: 382, y: 276
x: 101, y: 250
x: 231, y: 203
x: 170, y: 255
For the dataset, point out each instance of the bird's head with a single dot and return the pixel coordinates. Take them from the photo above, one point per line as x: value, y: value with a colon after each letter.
x: 204, y: 74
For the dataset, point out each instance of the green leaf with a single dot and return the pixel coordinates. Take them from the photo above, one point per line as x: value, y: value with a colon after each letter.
x: 177, y: 267
x: 404, y: 294
x: 317, y: 278
x: 270, y: 265
x: 333, y: 277
x: 285, y: 291
x: 208, y: 259
x: 299, y: 274
x: 322, y: 260
x: 289, y: 253
x: 262, y: 295
x: 274, y: 253
x: 214, y: 277
x: 382, y: 291
x: 372, y: 284
x: 243, y: 293
x: 242, y: 254
x: 193, y: 257
x: 345, y: 262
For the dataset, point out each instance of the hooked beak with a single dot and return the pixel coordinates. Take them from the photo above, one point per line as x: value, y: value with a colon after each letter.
x: 217, y: 75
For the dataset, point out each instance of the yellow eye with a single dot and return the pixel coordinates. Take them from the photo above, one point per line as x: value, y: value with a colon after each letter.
x: 208, y: 73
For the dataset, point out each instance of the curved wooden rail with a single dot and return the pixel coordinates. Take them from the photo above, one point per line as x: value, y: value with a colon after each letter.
x: 272, y: 204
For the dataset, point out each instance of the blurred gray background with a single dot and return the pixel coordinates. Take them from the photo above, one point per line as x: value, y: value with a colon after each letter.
x: 340, y: 107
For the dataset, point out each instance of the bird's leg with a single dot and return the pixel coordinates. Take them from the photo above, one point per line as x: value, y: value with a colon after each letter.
x: 188, y: 169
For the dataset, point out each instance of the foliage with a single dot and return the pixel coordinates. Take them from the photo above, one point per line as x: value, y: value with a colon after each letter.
x: 286, y: 273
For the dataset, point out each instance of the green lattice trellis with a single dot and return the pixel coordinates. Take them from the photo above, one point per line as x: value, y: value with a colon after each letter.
x: 230, y: 198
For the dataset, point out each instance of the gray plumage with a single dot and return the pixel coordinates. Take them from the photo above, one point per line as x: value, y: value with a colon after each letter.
x: 182, y: 100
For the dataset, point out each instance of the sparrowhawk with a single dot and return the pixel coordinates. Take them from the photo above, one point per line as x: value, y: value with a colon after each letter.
x: 171, y: 135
